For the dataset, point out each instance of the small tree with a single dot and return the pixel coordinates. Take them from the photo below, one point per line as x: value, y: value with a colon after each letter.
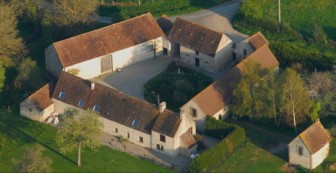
x: 78, y: 129
x: 153, y: 46
x: 2, y: 76
x: 32, y: 160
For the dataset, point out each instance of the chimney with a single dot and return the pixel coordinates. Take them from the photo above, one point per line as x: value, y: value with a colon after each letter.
x: 162, y: 107
x: 92, y: 85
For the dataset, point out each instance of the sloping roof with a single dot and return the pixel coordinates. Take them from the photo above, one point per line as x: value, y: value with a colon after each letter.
x: 315, y: 137
x: 217, y: 95
x: 167, y: 123
x: 188, y: 140
x: 107, y: 40
x: 195, y: 37
x: 165, y: 24
x: 257, y: 40
x: 113, y: 104
x: 42, y: 97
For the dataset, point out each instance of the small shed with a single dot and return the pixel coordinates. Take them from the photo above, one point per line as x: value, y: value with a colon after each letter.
x: 311, y: 147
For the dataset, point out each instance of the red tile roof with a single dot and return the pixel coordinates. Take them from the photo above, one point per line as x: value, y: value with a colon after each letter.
x: 115, y: 105
x: 195, y: 37
x: 315, y: 137
x: 107, y: 40
x: 42, y: 97
x: 188, y: 140
x: 217, y: 95
x: 257, y: 40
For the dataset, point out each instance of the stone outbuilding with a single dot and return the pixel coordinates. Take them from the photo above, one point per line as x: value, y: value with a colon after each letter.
x: 311, y: 147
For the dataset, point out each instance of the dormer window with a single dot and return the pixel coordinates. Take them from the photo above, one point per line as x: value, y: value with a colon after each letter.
x: 96, y: 108
x: 61, y: 95
x: 80, y: 103
x: 135, y: 123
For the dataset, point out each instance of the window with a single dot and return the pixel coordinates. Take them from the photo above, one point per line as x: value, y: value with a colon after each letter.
x: 61, y: 95
x: 197, y: 62
x: 80, y: 103
x: 140, y: 139
x: 193, y: 112
x: 116, y: 130
x: 300, y: 150
x: 128, y: 135
x: 220, y: 117
x: 162, y: 138
x: 135, y: 123
x: 96, y: 108
x: 233, y: 45
x: 245, y: 52
x: 197, y: 52
x: 159, y: 147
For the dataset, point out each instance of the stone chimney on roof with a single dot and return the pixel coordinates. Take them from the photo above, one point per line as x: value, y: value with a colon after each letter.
x: 162, y: 107
x: 92, y: 85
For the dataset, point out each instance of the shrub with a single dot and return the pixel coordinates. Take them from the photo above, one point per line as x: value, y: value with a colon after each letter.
x: 218, y: 129
x: 219, y: 151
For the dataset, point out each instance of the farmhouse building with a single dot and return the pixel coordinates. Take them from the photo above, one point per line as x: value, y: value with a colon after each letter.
x: 107, y: 49
x: 311, y: 147
x: 214, y: 100
x: 198, y: 47
x: 122, y: 115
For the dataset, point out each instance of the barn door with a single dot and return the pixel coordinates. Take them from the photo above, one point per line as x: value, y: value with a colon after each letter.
x: 106, y: 63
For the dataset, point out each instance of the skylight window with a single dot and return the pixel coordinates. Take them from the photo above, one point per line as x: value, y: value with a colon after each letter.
x: 96, y: 108
x: 135, y: 123
x: 61, y: 95
x: 80, y: 103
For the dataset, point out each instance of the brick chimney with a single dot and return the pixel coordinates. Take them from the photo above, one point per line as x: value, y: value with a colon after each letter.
x: 162, y: 107
x: 92, y: 85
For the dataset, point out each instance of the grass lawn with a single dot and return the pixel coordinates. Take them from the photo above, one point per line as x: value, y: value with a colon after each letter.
x: 176, y: 89
x: 156, y: 7
x: 18, y: 134
x: 251, y: 158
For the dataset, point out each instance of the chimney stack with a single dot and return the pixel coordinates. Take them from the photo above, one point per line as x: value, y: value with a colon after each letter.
x: 92, y: 85
x: 162, y: 107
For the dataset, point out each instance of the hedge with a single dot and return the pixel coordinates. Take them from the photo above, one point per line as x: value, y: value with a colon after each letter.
x: 218, y: 129
x: 216, y: 153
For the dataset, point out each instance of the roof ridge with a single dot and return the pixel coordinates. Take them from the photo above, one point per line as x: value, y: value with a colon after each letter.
x: 201, y: 26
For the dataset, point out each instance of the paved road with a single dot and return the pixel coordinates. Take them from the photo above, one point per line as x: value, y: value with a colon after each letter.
x: 218, y: 18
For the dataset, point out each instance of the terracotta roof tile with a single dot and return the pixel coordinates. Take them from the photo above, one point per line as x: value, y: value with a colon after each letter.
x: 195, y: 37
x: 188, y: 140
x: 217, y: 95
x: 42, y: 97
x: 113, y: 104
x: 167, y: 123
x: 315, y: 137
x: 107, y: 40
x: 258, y: 40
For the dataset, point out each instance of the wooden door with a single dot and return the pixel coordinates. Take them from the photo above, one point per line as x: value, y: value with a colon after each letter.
x: 106, y: 63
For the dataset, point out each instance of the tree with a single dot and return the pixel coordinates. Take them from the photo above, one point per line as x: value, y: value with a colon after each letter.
x: 315, y: 112
x: 11, y: 46
x: 2, y: 76
x: 27, y: 74
x: 30, y: 9
x: 32, y: 160
x: 153, y: 46
x: 74, y: 11
x: 78, y: 129
x: 295, y: 101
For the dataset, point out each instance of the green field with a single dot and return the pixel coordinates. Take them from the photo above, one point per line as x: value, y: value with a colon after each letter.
x: 251, y: 158
x: 156, y: 7
x: 18, y: 134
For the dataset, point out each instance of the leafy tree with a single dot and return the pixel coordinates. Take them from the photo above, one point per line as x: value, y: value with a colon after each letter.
x: 33, y: 161
x: 74, y: 11
x: 78, y: 129
x: 30, y: 9
x: 315, y: 113
x: 252, y: 9
x: 11, y: 46
x: 295, y: 100
x: 27, y: 74
x: 2, y: 76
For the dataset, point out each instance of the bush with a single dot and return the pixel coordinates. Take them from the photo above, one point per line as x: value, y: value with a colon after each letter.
x: 218, y: 129
x: 219, y: 151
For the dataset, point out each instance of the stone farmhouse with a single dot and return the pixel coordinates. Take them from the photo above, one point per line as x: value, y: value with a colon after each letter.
x: 138, y: 121
x: 198, y: 47
x: 214, y: 100
x: 106, y: 49
x: 311, y: 147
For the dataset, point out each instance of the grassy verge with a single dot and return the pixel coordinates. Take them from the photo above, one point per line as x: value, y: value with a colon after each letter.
x: 157, y: 8
x: 174, y: 88
x: 251, y: 158
x: 18, y: 134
